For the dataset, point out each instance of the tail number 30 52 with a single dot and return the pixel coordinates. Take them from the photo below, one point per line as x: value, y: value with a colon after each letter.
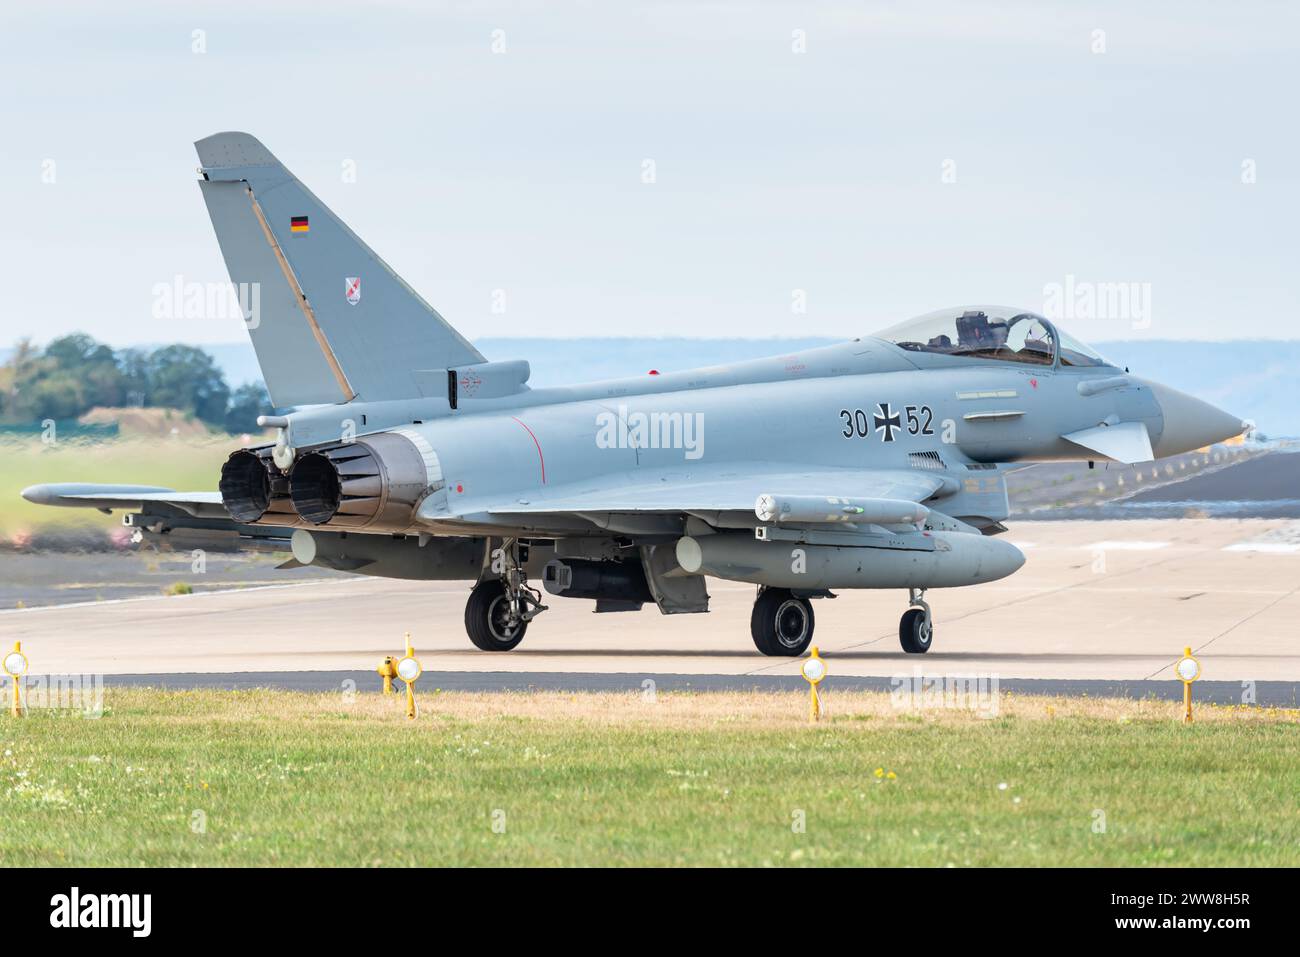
x: 885, y: 422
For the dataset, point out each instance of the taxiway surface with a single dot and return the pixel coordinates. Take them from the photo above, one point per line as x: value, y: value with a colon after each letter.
x: 1095, y: 601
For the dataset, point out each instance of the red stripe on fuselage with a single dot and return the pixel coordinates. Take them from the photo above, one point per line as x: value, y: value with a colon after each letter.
x: 540, y: 458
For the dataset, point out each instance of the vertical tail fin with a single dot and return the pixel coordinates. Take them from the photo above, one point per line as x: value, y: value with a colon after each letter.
x: 332, y: 322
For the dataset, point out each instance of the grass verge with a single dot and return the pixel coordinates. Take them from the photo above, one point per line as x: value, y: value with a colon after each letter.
x: 271, y: 778
x: 183, y: 464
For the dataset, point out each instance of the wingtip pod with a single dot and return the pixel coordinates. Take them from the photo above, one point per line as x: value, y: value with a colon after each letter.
x: 38, y: 494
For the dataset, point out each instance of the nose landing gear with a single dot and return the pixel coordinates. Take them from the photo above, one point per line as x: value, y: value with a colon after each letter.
x: 916, y: 629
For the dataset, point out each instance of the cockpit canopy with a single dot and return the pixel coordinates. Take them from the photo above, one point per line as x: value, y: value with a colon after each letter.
x: 991, y: 332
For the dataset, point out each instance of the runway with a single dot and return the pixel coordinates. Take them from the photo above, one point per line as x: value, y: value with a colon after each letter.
x: 1095, y: 602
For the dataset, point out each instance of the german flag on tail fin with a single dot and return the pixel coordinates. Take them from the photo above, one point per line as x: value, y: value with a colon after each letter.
x: 318, y: 340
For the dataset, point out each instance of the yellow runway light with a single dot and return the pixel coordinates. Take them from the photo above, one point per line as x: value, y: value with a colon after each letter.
x: 814, y: 670
x: 15, y: 665
x: 1188, y: 669
x: 408, y: 669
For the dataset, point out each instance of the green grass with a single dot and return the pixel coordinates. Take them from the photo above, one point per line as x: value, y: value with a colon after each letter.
x: 183, y: 464
x: 278, y: 778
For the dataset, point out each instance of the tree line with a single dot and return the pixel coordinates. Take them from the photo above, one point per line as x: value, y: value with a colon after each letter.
x: 76, y: 373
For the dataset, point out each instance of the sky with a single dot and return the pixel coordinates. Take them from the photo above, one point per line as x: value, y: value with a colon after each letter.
x: 756, y: 169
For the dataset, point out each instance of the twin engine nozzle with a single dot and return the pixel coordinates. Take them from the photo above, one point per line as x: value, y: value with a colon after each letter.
x: 374, y: 483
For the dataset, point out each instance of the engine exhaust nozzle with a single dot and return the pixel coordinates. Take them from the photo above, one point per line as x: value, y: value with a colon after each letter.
x: 372, y: 483
x: 253, y: 490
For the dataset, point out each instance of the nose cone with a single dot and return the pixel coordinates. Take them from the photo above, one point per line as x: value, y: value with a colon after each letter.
x: 1190, y: 423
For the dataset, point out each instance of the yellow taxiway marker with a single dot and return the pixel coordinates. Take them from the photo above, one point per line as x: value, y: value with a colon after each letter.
x: 408, y: 669
x: 814, y: 670
x: 1189, y: 669
x: 15, y: 665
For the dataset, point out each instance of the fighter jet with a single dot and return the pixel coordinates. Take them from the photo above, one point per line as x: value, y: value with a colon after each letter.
x: 403, y: 452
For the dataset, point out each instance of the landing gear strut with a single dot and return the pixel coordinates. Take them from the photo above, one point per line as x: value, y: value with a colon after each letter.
x: 499, y: 609
x: 781, y: 623
x: 916, y: 629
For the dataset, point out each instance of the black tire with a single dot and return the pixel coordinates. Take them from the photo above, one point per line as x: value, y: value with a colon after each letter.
x: 782, y: 625
x: 485, y: 614
x: 913, y: 634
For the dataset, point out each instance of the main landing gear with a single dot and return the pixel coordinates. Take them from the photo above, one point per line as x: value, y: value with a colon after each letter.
x: 916, y: 629
x: 781, y: 623
x: 499, y: 609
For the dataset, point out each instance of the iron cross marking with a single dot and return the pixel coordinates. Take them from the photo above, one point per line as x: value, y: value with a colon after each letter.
x: 885, y: 422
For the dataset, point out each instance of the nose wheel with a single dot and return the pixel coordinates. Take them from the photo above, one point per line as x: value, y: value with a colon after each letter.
x: 916, y: 628
x: 781, y: 623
